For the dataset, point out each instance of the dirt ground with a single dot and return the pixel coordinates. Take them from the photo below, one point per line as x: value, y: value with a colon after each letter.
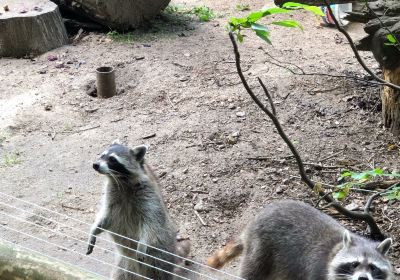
x: 179, y: 93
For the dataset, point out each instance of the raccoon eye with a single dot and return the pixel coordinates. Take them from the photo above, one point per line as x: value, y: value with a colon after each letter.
x: 355, y: 264
x: 112, y: 159
x: 373, y: 268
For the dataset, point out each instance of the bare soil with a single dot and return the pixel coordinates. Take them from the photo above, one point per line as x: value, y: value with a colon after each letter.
x: 212, y: 148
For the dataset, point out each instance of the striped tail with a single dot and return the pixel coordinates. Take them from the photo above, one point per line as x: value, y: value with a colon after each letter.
x: 226, y: 254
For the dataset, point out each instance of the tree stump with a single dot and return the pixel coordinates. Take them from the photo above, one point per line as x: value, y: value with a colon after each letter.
x: 391, y: 101
x: 16, y: 263
x: 115, y: 14
x: 30, y: 27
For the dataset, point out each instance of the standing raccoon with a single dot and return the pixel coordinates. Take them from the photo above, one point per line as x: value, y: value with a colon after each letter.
x: 291, y: 240
x: 132, y: 206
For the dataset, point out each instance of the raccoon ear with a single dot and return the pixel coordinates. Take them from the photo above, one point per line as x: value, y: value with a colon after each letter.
x: 139, y: 151
x: 116, y: 142
x: 384, y: 246
x: 346, y: 239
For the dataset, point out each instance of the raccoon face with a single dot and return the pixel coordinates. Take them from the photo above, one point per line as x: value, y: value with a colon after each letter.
x: 361, y: 260
x: 120, y: 161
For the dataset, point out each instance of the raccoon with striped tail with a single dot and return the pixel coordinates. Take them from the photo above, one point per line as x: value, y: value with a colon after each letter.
x: 290, y: 240
x: 132, y: 206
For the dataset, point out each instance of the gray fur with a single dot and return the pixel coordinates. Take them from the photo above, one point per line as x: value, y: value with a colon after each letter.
x: 132, y: 206
x: 291, y: 240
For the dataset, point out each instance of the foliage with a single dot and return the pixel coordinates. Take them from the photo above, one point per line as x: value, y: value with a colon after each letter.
x: 357, y: 180
x: 236, y: 25
x: 120, y: 37
x: 392, y: 40
x: 242, y: 7
x: 204, y: 13
x: 11, y: 159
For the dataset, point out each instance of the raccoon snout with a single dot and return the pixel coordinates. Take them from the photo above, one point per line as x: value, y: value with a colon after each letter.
x: 96, y: 166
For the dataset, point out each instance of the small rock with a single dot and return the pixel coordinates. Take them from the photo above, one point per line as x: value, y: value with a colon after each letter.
x: 139, y: 57
x: 184, y: 79
x: 48, y: 107
x: 279, y: 190
x: 241, y: 114
x: 187, y: 54
x: 215, y: 180
x: 232, y: 106
x: 52, y: 57
x: 352, y: 207
x: 201, y: 207
x: 43, y: 71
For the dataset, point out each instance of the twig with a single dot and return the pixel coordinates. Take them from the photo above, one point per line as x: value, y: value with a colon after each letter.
x: 375, y: 232
x: 380, y: 184
x: 353, y: 47
x: 200, y: 218
x: 331, y: 156
x: 367, y: 207
x: 88, y: 128
x: 303, y: 73
x: 269, y: 97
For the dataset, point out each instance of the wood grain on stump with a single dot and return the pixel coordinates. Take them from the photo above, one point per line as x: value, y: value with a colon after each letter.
x: 391, y: 101
x: 30, y: 27
x: 115, y: 14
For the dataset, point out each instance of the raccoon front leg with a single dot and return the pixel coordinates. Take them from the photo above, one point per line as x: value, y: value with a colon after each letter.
x: 98, y: 227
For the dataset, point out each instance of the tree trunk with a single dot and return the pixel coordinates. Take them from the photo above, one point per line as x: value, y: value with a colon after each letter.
x: 391, y: 101
x: 33, y: 27
x: 17, y: 264
x: 115, y: 14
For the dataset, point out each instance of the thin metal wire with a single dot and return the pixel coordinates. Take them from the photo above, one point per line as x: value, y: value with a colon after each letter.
x: 69, y: 250
x: 115, y: 253
x: 127, y: 238
x: 53, y: 258
x: 76, y: 239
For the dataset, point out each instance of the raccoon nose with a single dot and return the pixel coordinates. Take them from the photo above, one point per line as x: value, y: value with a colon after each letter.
x: 96, y: 166
x: 363, y: 277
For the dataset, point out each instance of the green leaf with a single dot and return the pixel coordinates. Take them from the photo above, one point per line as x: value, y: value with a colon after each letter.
x: 391, y: 38
x: 288, y: 23
x: 262, y: 32
x: 377, y: 171
x: 239, y: 37
x: 295, y: 6
x: 253, y: 17
x: 274, y: 10
x: 340, y: 195
x: 315, y: 10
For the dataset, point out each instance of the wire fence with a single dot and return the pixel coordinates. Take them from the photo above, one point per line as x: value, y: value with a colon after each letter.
x: 18, y: 224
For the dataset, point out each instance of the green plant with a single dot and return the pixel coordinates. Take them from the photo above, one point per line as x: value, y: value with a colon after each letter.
x: 120, y: 37
x: 242, y: 7
x: 236, y: 25
x: 11, y: 159
x: 204, y: 13
x: 357, y: 180
x: 392, y: 40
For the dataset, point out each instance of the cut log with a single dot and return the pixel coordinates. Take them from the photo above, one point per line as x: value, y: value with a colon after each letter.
x: 391, y: 102
x: 30, y: 27
x: 115, y: 14
x: 16, y: 263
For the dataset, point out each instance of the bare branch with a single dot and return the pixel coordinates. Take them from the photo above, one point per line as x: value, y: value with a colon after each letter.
x: 367, y: 207
x: 269, y: 97
x: 353, y: 47
x: 375, y: 232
